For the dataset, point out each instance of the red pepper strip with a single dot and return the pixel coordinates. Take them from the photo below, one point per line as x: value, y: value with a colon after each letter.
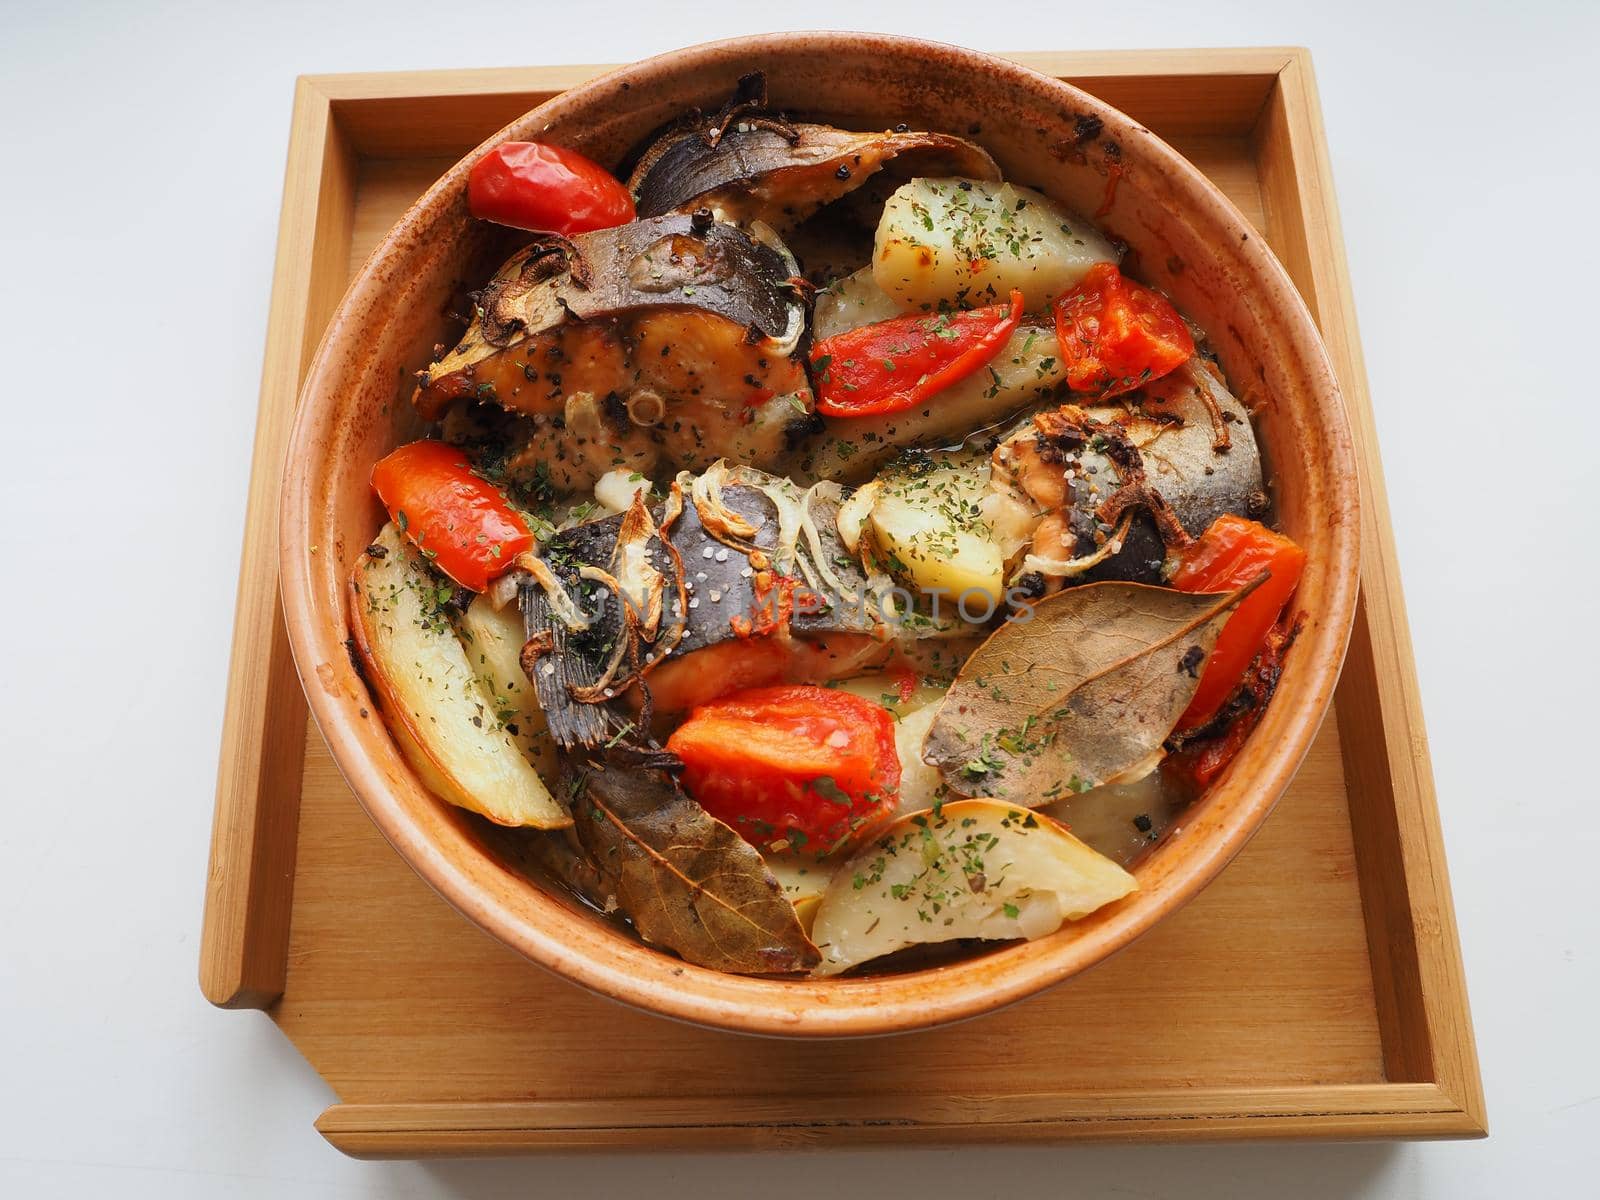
x: 1116, y: 335
x: 1206, y: 757
x: 457, y: 519
x: 897, y: 364
x: 1226, y: 556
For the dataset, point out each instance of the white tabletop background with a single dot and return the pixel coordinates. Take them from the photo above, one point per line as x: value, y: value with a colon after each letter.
x: 143, y: 152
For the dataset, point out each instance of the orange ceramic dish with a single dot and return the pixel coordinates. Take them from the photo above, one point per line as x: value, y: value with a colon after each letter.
x: 1188, y: 242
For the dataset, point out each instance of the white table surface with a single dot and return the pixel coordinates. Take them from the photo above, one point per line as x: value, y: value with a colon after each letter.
x: 143, y: 156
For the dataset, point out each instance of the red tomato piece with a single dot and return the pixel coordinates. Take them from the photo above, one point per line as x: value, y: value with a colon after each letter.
x: 532, y: 185
x: 897, y: 364
x: 1228, y: 555
x: 457, y: 519
x: 1116, y: 335
x: 811, y: 766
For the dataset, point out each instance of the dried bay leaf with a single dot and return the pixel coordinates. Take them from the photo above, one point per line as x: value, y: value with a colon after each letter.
x: 1080, y: 695
x: 687, y: 881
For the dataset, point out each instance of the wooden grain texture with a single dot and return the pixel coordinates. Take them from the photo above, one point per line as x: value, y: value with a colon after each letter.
x: 1313, y: 991
x: 1211, y: 1114
x: 248, y: 883
x: 1262, y: 980
x: 1417, y: 969
x: 410, y: 114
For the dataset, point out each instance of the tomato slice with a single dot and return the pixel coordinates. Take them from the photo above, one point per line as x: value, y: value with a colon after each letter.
x: 1116, y: 335
x: 533, y: 185
x: 793, y: 767
x: 457, y: 519
x: 1228, y: 555
x: 897, y: 364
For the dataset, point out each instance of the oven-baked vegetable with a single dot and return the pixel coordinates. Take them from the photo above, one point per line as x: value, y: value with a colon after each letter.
x: 913, y: 702
x: 1023, y: 374
x: 459, y: 522
x: 442, y: 717
x: 685, y: 880
x: 850, y: 302
x: 898, y: 364
x: 1026, y: 371
x: 968, y: 869
x: 747, y: 163
x: 1116, y: 335
x: 802, y: 880
x: 1079, y: 691
x: 928, y: 528
x: 1231, y: 553
x: 1203, y: 752
x: 793, y: 768
x: 549, y: 189
x: 492, y: 638
x: 966, y: 242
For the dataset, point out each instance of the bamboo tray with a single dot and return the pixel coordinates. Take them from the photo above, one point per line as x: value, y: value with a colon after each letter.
x: 1314, y: 991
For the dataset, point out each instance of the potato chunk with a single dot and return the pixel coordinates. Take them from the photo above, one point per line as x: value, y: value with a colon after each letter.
x: 493, y: 641
x: 850, y: 303
x: 965, y: 242
x: 972, y: 869
x: 442, y: 717
x: 929, y: 529
x: 802, y: 880
x: 921, y: 785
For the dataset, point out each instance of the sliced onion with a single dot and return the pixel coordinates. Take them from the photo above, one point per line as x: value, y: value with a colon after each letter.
x: 831, y: 491
x: 785, y: 344
x: 721, y: 522
x: 561, y: 604
x: 786, y: 500
x: 1066, y: 568
x: 503, y: 591
x: 853, y: 514
x: 639, y: 584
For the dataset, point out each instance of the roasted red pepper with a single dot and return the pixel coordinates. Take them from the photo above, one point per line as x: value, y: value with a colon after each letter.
x: 1208, y: 752
x: 1228, y: 555
x: 531, y: 185
x: 457, y: 519
x: 897, y: 364
x: 810, y: 767
x: 1116, y: 335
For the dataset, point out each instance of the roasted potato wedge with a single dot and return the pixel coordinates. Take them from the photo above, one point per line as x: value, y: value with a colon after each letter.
x: 436, y: 707
x: 968, y: 242
x: 803, y: 881
x: 921, y: 785
x: 970, y: 869
x: 850, y: 303
x: 493, y: 641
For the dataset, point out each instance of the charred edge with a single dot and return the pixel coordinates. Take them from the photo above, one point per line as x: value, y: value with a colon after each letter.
x: 1252, y: 696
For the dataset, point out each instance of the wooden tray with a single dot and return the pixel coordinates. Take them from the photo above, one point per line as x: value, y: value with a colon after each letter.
x: 1314, y: 991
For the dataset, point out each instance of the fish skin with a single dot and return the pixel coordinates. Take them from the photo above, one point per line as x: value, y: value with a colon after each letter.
x: 726, y: 593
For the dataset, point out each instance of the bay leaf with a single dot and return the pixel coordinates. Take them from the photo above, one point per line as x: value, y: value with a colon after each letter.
x: 686, y: 880
x: 1080, y: 694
